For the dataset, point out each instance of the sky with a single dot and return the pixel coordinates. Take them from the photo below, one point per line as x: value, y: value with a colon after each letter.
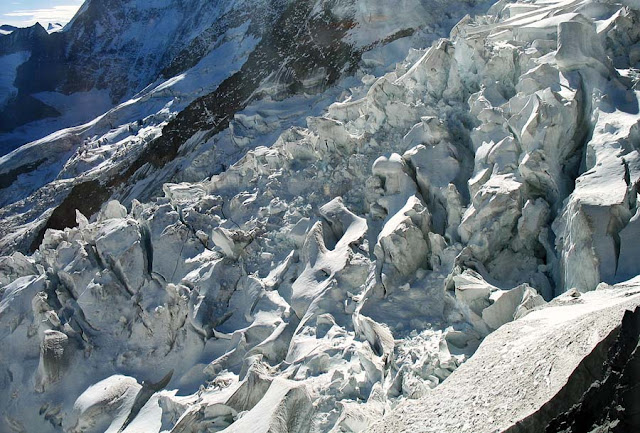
x: 23, y: 13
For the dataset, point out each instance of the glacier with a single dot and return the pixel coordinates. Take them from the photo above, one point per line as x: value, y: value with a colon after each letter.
x: 430, y: 227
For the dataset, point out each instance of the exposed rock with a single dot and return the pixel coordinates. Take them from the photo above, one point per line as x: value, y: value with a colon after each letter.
x: 611, y: 403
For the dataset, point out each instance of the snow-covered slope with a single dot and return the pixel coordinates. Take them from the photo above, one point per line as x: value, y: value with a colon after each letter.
x: 510, y: 387
x: 304, y: 244
x: 119, y: 47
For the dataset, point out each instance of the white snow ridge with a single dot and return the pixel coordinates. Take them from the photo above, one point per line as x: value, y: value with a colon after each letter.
x: 328, y: 218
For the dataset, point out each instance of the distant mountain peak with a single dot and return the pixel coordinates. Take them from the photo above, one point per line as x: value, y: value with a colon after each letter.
x: 5, y: 29
x: 54, y: 27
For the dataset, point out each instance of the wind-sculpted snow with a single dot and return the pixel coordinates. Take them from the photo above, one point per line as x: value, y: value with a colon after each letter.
x: 327, y: 270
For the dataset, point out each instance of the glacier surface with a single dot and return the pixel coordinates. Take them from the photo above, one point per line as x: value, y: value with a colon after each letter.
x: 331, y: 260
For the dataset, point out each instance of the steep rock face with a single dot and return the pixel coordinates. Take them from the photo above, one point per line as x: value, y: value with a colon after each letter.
x: 337, y: 264
x: 23, y: 39
x: 159, y: 35
x: 118, y: 47
x: 611, y: 403
x: 16, y: 48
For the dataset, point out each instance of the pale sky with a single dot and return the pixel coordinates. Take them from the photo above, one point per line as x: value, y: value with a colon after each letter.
x: 23, y: 13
